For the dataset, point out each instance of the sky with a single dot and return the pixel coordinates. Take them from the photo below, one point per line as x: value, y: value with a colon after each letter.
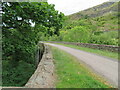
x: 72, y: 6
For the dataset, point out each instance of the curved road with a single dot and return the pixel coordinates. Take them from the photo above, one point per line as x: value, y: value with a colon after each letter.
x: 106, y: 67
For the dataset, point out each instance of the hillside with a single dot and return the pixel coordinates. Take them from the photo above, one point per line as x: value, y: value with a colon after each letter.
x: 99, y: 10
x: 98, y: 25
x: 103, y: 16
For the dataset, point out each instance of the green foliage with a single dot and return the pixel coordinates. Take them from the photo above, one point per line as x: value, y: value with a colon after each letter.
x: 24, y: 25
x: 76, y: 34
x: 24, y: 13
x: 17, y: 76
x: 92, y: 31
x: 108, y: 38
x: 54, y: 38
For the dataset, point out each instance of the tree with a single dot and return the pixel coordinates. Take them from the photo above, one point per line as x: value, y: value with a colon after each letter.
x: 24, y: 24
x: 22, y: 21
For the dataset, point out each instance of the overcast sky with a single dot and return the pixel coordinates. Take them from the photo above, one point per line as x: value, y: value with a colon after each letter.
x: 72, y: 6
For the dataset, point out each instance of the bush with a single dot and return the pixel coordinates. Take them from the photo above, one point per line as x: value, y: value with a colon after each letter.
x: 77, y: 34
x: 17, y: 76
x: 108, y: 38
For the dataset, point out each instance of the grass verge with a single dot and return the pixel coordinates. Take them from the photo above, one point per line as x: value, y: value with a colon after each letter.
x: 71, y: 74
x: 113, y: 55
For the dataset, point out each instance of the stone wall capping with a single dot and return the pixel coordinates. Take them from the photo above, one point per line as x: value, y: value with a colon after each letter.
x: 111, y: 48
x: 43, y: 77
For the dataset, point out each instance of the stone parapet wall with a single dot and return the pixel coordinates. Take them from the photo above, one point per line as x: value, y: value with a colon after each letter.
x: 44, y: 74
x: 43, y: 77
x: 94, y: 46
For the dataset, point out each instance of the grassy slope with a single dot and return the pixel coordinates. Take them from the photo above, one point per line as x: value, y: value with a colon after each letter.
x: 72, y: 74
x: 96, y: 51
x: 106, y: 13
x: 107, y: 21
x: 96, y: 11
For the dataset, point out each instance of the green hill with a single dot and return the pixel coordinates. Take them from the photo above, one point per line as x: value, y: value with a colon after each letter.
x: 96, y: 25
x: 99, y: 10
x: 103, y: 16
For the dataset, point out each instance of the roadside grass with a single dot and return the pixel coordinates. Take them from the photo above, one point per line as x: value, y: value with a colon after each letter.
x: 71, y: 74
x: 113, y: 55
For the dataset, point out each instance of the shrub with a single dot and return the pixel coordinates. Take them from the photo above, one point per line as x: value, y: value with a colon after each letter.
x: 108, y: 38
x: 77, y: 34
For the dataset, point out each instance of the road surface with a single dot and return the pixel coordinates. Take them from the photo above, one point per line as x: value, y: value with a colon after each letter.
x: 105, y: 67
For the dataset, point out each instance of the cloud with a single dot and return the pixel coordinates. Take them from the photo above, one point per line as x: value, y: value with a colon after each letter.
x: 72, y: 6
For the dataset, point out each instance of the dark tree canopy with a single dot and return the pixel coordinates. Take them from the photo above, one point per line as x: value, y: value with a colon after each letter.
x: 18, y: 15
x: 24, y: 25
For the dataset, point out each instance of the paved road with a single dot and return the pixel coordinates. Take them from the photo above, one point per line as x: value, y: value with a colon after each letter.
x: 105, y: 67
